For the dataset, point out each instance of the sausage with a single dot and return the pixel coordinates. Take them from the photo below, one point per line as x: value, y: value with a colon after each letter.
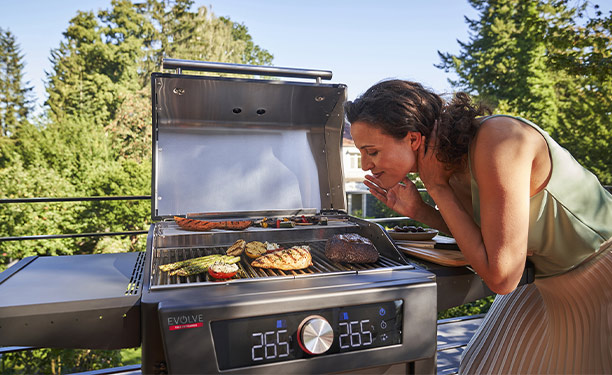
x: 203, y: 225
x: 235, y: 224
x: 193, y: 224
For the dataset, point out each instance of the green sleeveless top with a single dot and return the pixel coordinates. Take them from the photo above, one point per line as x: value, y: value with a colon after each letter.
x: 569, y: 219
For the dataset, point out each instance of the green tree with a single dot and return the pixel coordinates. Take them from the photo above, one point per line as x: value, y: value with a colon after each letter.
x: 199, y: 35
x: 96, y: 66
x: 583, y: 52
x: 504, y: 63
x: 15, y: 94
x: 540, y: 60
x: 58, y: 361
x: 95, y: 139
x: 251, y: 53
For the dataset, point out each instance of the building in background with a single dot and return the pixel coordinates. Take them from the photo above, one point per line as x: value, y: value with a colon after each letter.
x: 356, y: 191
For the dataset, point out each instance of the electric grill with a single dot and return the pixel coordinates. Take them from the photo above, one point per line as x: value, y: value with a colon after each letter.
x: 235, y: 148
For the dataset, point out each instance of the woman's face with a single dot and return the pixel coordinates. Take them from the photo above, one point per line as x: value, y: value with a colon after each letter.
x: 389, y: 159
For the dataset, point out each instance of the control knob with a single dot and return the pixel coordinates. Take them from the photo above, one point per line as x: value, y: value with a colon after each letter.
x: 315, y: 335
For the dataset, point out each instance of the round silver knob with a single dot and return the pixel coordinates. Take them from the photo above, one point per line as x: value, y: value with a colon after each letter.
x: 315, y: 335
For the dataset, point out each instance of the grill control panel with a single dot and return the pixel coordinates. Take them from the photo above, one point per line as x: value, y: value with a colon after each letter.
x: 284, y: 337
x: 315, y: 335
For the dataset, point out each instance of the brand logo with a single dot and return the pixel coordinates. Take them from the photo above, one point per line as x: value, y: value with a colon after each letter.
x: 185, y: 321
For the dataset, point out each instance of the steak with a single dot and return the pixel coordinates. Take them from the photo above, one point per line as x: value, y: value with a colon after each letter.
x: 350, y: 248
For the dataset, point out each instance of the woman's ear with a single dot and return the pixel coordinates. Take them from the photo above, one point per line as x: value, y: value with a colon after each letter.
x: 414, y: 139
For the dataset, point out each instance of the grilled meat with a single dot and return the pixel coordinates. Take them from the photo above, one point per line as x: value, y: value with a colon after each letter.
x: 193, y: 224
x: 203, y: 225
x: 351, y: 248
x: 234, y: 224
x: 295, y: 258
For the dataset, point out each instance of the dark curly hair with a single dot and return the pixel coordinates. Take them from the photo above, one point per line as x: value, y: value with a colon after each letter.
x: 398, y: 107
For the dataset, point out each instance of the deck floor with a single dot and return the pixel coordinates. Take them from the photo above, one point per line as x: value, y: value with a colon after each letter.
x: 453, y: 336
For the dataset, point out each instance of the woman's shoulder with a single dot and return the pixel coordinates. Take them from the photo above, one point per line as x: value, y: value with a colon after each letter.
x: 504, y: 141
x: 506, y: 129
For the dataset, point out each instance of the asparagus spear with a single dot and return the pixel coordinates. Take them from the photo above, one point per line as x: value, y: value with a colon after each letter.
x: 183, y: 263
x: 201, y: 265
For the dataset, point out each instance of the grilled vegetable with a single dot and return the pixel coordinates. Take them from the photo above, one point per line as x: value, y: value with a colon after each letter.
x: 201, y: 267
x: 196, y: 265
x: 255, y: 249
x: 176, y: 265
x: 295, y: 258
x: 220, y: 270
x: 203, y: 225
x: 275, y: 223
x: 237, y: 248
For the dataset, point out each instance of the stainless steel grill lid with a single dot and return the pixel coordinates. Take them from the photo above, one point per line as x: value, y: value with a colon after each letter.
x: 243, y: 147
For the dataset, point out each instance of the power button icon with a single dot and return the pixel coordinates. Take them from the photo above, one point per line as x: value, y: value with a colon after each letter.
x: 382, y: 311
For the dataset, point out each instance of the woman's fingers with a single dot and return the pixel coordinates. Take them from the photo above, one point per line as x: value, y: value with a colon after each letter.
x: 375, y: 189
x: 373, y: 179
x: 373, y: 185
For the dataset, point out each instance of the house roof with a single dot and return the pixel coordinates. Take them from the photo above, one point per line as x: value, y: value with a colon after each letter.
x: 347, y: 140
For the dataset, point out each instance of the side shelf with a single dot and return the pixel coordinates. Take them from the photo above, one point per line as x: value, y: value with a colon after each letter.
x: 78, y: 301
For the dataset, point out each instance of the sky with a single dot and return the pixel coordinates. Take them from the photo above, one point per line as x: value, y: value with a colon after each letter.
x: 361, y: 42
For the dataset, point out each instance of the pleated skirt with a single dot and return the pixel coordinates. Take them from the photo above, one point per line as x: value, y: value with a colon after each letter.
x: 557, y: 325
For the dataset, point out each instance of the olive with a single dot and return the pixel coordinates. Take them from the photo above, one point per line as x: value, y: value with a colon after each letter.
x: 420, y: 229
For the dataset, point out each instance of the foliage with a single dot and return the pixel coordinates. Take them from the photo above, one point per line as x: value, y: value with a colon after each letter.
x: 95, y: 139
x: 250, y: 53
x: 480, y: 306
x: 97, y: 64
x: 198, y: 35
x: 584, y: 53
x: 58, y: 361
x: 543, y: 61
x: 15, y: 95
x: 131, y: 356
x: 23, y: 219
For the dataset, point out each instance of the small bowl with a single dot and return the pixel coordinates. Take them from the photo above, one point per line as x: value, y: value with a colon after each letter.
x: 428, y: 234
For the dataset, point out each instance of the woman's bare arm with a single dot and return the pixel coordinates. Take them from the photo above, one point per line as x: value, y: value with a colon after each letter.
x: 503, y: 155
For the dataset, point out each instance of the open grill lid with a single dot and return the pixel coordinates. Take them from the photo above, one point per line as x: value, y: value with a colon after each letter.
x: 236, y: 147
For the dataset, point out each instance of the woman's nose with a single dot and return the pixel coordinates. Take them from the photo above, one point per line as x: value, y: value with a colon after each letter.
x: 366, y: 164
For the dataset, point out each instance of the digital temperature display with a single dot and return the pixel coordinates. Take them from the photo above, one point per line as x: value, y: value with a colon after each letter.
x: 266, y: 339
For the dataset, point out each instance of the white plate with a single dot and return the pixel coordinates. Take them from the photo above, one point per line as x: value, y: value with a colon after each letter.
x: 413, y: 236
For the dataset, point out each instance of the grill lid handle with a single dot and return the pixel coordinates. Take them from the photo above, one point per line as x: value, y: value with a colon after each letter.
x: 208, y: 66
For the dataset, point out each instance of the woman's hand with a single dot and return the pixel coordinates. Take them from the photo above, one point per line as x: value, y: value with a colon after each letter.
x: 403, y: 198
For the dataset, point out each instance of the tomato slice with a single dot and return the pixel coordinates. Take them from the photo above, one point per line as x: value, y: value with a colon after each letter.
x: 221, y: 275
x: 217, y: 271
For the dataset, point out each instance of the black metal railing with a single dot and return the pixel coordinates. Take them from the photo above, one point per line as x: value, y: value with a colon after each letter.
x: 14, y: 349
x: 72, y: 199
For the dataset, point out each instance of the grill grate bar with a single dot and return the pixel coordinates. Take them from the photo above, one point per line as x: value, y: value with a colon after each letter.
x: 321, y: 265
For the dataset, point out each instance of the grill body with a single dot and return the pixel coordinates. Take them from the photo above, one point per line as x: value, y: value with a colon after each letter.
x: 179, y: 313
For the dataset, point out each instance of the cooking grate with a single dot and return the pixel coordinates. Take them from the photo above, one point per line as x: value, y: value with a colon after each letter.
x: 321, y: 265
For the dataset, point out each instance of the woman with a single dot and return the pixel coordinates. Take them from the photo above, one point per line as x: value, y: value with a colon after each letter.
x: 506, y: 192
